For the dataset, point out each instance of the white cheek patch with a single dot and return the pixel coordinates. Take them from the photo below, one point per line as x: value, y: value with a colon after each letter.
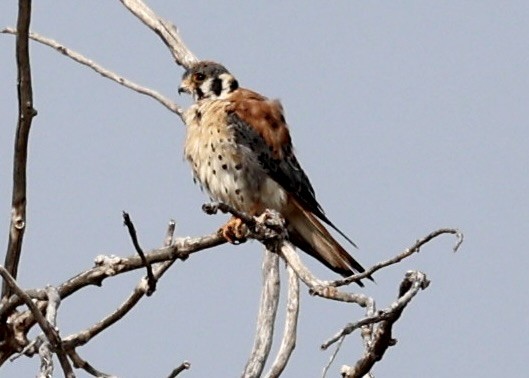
x: 225, y: 79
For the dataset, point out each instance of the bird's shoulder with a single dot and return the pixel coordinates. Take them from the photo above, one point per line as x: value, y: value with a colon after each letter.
x: 263, y: 116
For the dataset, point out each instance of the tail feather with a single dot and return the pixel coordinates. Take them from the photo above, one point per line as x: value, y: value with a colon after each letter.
x: 307, y: 233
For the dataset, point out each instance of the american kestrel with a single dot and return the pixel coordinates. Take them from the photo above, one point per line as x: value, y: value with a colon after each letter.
x: 240, y: 150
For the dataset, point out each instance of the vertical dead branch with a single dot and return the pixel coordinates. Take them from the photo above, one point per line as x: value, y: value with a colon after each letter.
x: 25, y: 115
x: 291, y: 323
x: 266, y: 318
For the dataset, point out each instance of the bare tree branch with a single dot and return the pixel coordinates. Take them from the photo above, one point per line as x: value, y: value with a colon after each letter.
x: 45, y: 349
x: 141, y: 289
x: 26, y: 112
x: 165, y: 30
x: 79, y: 363
x: 408, y: 252
x: 47, y: 328
x: 269, y: 228
x: 382, y: 338
x: 288, y: 343
x: 173, y: 107
x: 151, y: 281
x: 266, y: 317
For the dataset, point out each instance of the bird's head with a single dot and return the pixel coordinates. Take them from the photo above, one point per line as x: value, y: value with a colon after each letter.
x: 207, y: 80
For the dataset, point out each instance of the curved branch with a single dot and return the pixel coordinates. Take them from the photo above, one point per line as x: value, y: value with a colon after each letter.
x: 408, y: 252
x: 79, y: 58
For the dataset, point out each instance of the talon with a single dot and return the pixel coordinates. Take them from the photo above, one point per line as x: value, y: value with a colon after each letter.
x: 234, y: 231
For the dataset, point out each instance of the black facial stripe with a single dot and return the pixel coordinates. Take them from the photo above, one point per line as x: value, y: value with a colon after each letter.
x: 216, y: 86
x: 234, y: 85
x: 200, y: 94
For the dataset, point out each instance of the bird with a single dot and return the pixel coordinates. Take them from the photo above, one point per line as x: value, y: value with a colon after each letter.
x: 240, y: 150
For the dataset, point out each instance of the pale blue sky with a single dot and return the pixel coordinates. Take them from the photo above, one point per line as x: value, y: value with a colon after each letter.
x: 406, y: 116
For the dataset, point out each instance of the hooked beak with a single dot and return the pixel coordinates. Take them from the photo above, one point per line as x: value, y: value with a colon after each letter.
x: 183, y: 89
x: 185, y: 86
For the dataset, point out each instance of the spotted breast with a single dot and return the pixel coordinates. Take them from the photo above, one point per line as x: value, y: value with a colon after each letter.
x: 225, y: 162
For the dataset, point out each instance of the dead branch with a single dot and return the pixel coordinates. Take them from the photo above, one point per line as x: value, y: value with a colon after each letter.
x: 79, y: 363
x: 382, y: 338
x: 408, y: 252
x: 79, y: 58
x: 106, y: 267
x: 151, y: 280
x: 266, y: 317
x: 288, y: 342
x: 26, y: 112
x: 269, y: 229
x: 164, y: 29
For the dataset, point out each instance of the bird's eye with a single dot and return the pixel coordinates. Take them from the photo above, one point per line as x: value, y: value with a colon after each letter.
x: 199, y: 76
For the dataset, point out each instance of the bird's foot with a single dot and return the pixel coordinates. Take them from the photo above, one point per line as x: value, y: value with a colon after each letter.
x: 234, y: 231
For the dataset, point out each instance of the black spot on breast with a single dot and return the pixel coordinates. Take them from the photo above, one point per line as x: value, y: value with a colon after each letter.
x: 220, y: 157
x: 214, y: 172
x: 212, y: 147
x: 238, y: 166
x: 198, y: 114
x: 226, y: 190
x: 225, y: 166
x: 237, y: 191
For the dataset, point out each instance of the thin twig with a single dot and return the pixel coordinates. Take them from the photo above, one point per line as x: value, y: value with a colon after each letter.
x: 408, y: 252
x: 183, y: 366
x: 169, y: 235
x: 151, y: 281
x: 333, y: 356
x: 80, y: 363
x: 79, y: 58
